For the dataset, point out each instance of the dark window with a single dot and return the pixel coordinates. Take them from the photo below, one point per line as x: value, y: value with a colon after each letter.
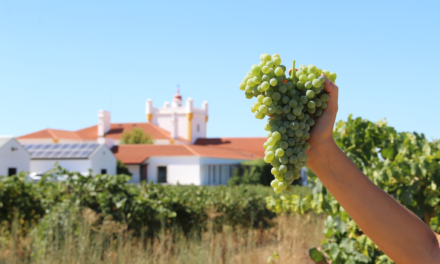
x: 12, y: 171
x: 161, y: 174
x: 103, y: 171
x: 143, y: 176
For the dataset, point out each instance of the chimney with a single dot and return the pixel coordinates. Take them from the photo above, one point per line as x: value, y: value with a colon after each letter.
x: 103, y: 122
x: 173, y: 126
x: 205, y: 107
x: 189, y: 105
x: 149, y: 110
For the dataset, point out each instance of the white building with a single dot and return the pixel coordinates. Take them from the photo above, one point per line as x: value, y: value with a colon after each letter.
x: 79, y: 157
x: 13, y: 157
x: 181, y: 153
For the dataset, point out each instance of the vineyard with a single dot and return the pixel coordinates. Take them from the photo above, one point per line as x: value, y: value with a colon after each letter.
x: 48, y: 213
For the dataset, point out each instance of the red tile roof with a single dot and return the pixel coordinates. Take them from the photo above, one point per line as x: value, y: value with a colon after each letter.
x: 252, y: 144
x: 52, y: 134
x: 91, y: 133
x: 136, y: 154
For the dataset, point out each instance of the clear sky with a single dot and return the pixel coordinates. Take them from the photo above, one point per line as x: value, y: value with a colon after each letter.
x: 62, y: 61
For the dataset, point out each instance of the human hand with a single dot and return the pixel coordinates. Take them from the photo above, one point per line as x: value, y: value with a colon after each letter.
x: 322, y: 131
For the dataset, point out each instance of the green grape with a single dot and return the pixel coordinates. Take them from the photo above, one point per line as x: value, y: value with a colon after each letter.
x: 298, y: 132
x: 296, y: 175
x: 298, y: 165
x: 250, y: 83
x: 283, y: 130
x: 267, y: 159
x: 277, y: 190
x: 282, y: 168
x: 289, y: 86
x: 289, y: 151
x: 306, y: 145
x: 275, y: 171
x: 282, y: 185
x: 288, y: 175
x: 310, y: 94
x: 318, y: 102
x: 283, y: 89
x: 276, y: 61
x: 265, y: 145
x: 291, y: 141
x: 301, y: 116
x: 260, y: 98
x: 253, y: 109
x: 301, y: 156
x: 260, y: 64
x: 283, y: 67
x: 311, y: 68
x: 272, y: 121
x: 318, y: 112
x: 306, y: 135
x: 284, y: 137
x: 257, y: 114
x: 311, y: 122
x: 276, y: 96
x: 269, y: 64
x: 291, y: 117
x: 270, y: 154
x: 321, y: 79
x: 275, y: 163
x: 316, y: 83
x: 293, y: 103
x: 294, y: 125
x: 271, y: 109
x: 300, y: 86
x: 308, y: 85
x: 265, y: 86
x: 265, y: 69
x: 325, y: 98
x: 297, y: 111
x: 262, y: 56
x: 303, y: 78
x: 259, y: 89
x: 303, y: 99
x: 284, y: 160
x: 271, y: 73
x: 311, y: 77
x: 332, y: 77
x: 326, y: 73
x: 242, y: 86
x: 268, y: 147
x: 279, y: 71
x: 249, y: 95
x: 269, y: 92
x: 257, y: 79
x: 265, y: 78
x: 285, y: 99
x: 271, y: 141
x: 274, y: 183
x: 267, y: 127
x: 296, y: 149
x: 273, y: 82
x: 284, y: 144
x: 279, y: 109
x: 286, y: 124
x: 248, y: 89
x: 267, y: 101
x: 301, y: 125
x: 276, y: 135
x: 286, y: 109
x: 324, y: 106
x: 299, y: 73
x: 306, y: 127
x: 255, y: 91
x: 256, y: 70
x: 280, y: 123
x: 311, y: 104
x: 266, y: 58
x: 293, y: 159
x: 311, y: 110
x: 263, y: 109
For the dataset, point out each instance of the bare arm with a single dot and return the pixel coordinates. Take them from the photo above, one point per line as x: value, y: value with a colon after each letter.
x: 396, y: 230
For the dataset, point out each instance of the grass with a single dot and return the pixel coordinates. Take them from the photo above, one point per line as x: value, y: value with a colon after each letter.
x: 81, y: 240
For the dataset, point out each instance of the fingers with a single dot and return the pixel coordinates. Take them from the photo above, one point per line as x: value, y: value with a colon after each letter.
x: 328, y: 85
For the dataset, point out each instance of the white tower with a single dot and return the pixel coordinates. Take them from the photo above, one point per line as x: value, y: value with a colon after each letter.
x: 183, y: 122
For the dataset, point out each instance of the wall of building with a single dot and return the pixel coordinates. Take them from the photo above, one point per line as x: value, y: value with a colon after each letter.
x: 103, y: 158
x: 198, y: 125
x: 216, y: 171
x: 180, y: 169
x: 43, y: 165
x: 135, y: 173
x: 19, y: 158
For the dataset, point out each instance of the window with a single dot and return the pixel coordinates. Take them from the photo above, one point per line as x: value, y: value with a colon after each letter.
x: 162, y: 174
x: 12, y: 171
x: 143, y: 173
x: 103, y: 171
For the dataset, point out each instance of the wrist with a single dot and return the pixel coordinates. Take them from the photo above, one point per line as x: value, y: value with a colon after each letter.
x: 321, y: 149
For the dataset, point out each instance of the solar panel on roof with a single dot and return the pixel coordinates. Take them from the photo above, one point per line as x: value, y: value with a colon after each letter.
x: 56, y: 146
x: 47, y: 146
x: 39, y: 154
x: 38, y: 146
x: 61, y: 150
x: 28, y: 146
x: 64, y: 146
x: 73, y: 146
x: 85, y: 153
x: 83, y: 146
x: 57, y: 154
x: 92, y: 146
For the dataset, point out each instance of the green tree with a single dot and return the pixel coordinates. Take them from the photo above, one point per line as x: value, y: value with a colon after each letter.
x: 136, y: 136
x: 121, y: 168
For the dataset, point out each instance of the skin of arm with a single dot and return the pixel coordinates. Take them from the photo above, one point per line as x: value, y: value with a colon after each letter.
x: 399, y: 233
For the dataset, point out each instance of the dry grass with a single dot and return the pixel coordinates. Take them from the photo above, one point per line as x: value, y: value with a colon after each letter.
x: 290, y: 238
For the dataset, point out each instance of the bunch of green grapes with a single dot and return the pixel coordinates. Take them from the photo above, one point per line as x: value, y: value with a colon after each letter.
x: 292, y: 105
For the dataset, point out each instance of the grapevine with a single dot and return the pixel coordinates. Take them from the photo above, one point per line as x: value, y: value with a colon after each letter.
x: 292, y: 105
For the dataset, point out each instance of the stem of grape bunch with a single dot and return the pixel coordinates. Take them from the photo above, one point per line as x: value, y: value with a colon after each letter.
x: 291, y: 105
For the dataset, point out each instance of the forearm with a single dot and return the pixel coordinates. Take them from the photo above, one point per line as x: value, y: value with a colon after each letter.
x: 378, y: 215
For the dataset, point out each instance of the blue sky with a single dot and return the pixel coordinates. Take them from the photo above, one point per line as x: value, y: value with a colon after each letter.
x: 62, y: 61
